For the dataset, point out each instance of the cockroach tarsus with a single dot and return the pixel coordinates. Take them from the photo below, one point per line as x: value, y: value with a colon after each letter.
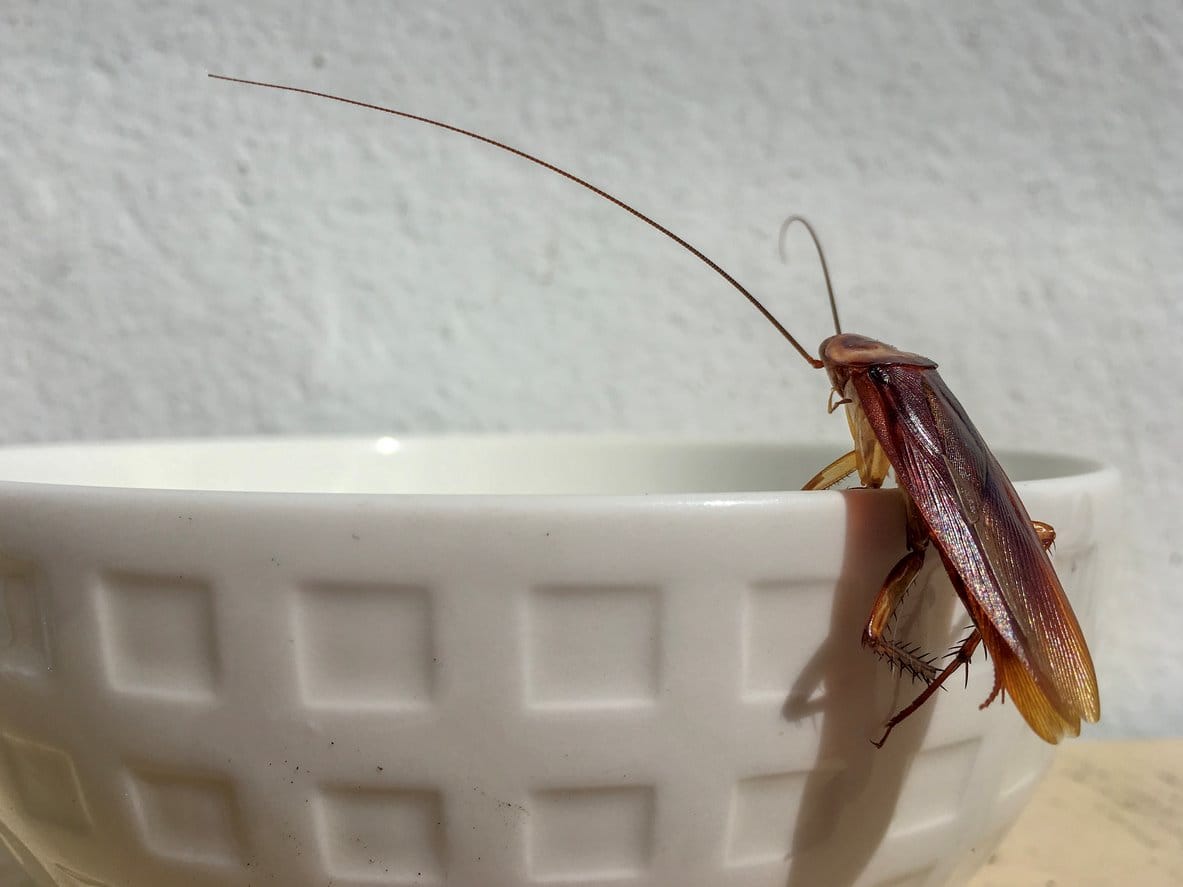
x: 957, y: 500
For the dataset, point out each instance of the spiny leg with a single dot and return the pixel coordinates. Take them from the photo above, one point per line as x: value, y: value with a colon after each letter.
x: 961, y: 657
x: 837, y: 471
x: 895, y: 588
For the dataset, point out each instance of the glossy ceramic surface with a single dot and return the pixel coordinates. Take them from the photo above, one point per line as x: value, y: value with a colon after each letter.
x: 488, y: 663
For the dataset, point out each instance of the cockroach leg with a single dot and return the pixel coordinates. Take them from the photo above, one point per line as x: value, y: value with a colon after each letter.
x: 964, y: 654
x: 837, y: 471
x: 996, y: 692
x: 955, y: 652
x: 833, y: 404
x: 895, y: 588
x: 1046, y: 534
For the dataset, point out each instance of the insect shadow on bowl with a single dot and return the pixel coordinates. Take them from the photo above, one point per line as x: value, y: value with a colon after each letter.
x: 851, y: 791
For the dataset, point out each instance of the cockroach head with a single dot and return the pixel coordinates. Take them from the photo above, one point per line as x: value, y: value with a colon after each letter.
x: 849, y: 354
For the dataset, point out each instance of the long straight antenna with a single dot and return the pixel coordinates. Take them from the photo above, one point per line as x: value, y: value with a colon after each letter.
x: 812, y: 361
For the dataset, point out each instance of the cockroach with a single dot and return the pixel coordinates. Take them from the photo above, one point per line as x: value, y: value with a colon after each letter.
x: 957, y: 498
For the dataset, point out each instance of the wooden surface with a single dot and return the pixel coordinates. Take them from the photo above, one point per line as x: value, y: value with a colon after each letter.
x: 1109, y: 813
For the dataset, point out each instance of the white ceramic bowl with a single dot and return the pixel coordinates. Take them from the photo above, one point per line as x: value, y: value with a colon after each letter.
x: 487, y: 663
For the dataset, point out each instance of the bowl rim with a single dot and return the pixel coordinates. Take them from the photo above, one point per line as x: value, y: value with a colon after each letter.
x: 1081, y: 469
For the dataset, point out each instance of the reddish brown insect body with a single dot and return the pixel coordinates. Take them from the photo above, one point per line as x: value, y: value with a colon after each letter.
x: 957, y: 498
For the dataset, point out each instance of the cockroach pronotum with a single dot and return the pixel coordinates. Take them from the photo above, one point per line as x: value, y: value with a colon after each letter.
x: 956, y: 497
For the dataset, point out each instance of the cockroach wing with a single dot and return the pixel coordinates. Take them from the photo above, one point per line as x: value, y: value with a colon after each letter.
x: 985, y: 537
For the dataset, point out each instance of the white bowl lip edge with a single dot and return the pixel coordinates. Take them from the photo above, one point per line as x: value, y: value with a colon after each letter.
x: 1092, y: 471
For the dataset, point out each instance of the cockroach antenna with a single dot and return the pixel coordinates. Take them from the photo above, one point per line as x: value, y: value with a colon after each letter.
x: 697, y: 253
x: 821, y: 254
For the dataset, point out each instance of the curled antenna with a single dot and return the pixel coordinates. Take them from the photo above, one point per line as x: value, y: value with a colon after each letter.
x: 812, y: 361
x: 821, y: 254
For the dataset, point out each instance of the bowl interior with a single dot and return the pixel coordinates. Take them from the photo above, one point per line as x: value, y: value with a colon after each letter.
x: 527, y: 465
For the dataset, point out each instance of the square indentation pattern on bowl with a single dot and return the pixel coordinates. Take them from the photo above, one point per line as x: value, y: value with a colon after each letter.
x: 365, y: 645
x: 158, y: 635
x: 591, y: 646
x: 595, y: 661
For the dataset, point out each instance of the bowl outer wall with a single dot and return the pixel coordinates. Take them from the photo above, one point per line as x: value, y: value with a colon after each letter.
x: 559, y: 664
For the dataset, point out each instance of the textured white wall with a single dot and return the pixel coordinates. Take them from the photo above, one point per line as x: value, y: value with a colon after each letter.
x: 999, y: 188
